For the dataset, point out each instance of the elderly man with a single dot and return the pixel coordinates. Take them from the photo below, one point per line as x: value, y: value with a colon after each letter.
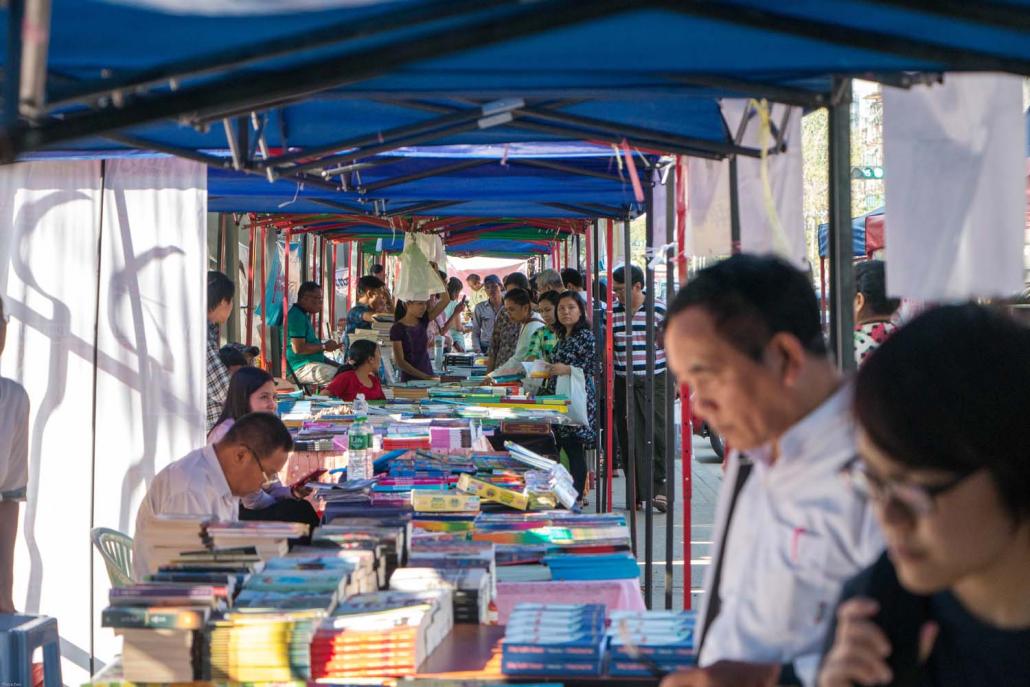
x: 506, y: 332
x: 745, y: 335
x: 306, y: 352
x: 485, y: 314
x: 210, y: 481
x: 549, y: 280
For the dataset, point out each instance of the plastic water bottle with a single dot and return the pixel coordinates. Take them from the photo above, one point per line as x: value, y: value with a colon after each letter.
x: 438, y: 352
x: 359, y: 443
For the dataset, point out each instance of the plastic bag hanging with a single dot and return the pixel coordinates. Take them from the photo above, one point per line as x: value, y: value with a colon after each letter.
x: 417, y: 280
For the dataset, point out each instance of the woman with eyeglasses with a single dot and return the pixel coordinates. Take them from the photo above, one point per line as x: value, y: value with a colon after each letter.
x: 944, y: 439
x: 252, y: 390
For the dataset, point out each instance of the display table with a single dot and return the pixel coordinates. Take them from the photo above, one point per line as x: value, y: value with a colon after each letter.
x: 617, y: 595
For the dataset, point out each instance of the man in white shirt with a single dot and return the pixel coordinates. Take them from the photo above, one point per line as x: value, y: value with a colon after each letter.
x: 209, y: 482
x: 745, y: 335
x: 14, y: 470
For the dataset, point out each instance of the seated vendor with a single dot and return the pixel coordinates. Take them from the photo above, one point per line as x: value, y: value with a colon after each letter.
x: 209, y: 481
x: 359, y: 376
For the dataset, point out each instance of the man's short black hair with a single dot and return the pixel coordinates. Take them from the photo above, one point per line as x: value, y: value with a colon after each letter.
x: 751, y: 298
x: 219, y: 289
x: 262, y: 433
x: 518, y: 296
x: 572, y: 277
x: 368, y: 283
x: 377, y: 269
x: 950, y: 391
x: 516, y: 280
x: 307, y: 287
x: 473, y: 276
x: 231, y: 356
x: 871, y: 282
x: 636, y: 274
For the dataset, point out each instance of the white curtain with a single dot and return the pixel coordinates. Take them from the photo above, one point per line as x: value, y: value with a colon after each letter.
x: 102, y: 269
x: 954, y: 160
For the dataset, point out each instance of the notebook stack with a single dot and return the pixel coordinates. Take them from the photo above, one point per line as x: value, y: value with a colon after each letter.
x: 170, y: 535
x: 162, y: 628
x: 406, y: 435
x: 385, y: 634
x: 448, y: 554
x: 367, y: 554
x: 388, y: 539
x: 666, y: 637
x: 592, y: 566
x: 469, y: 587
x: 565, y: 640
x: 270, y: 539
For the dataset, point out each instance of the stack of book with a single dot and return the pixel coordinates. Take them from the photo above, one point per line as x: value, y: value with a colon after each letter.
x: 666, y: 637
x: 592, y: 566
x: 368, y: 555
x: 387, y: 538
x: 564, y: 640
x: 469, y: 587
x: 269, y: 539
x: 170, y: 535
x: 266, y: 638
x: 406, y: 436
x: 456, y: 554
x: 162, y: 628
x: 385, y: 634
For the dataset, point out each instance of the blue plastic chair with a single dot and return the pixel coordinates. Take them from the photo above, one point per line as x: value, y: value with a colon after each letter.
x: 20, y: 636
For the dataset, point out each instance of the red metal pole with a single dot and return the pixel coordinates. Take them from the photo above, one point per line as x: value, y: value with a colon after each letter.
x: 686, y: 435
x: 609, y: 368
x: 822, y: 289
x: 252, y: 258
x: 332, y: 282
x: 587, y: 274
x: 286, y: 300
x: 264, y: 301
x: 351, y: 271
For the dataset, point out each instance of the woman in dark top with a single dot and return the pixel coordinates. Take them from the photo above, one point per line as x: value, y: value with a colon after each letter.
x: 575, y: 348
x: 410, y: 337
x: 944, y: 441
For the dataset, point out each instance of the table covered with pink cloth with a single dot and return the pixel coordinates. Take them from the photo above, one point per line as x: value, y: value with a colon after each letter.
x: 617, y: 595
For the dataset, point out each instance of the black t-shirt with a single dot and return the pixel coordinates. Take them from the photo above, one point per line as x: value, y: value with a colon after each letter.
x: 971, y: 653
x: 968, y: 652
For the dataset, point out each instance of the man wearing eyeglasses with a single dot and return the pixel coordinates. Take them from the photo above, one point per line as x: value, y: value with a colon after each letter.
x: 789, y: 531
x: 209, y: 482
x: 306, y: 352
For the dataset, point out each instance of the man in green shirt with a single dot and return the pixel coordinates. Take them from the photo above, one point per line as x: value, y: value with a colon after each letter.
x: 306, y: 352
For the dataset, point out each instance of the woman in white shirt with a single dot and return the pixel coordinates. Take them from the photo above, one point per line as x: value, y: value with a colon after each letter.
x: 14, y: 470
x: 252, y: 390
x: 520, y: 309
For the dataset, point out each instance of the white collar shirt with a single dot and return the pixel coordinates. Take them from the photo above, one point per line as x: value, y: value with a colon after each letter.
x: 798, y: 533
x: 192, y: 485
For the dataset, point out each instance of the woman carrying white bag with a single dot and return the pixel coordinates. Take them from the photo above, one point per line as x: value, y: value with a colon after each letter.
x: 574, y: 363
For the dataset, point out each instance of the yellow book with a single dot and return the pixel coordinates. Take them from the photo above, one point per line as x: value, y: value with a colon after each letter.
x: 492, y: 492
x: 434, y: 502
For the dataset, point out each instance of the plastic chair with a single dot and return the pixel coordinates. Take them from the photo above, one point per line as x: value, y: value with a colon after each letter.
x: 20, y: 636
x: 116, y: 550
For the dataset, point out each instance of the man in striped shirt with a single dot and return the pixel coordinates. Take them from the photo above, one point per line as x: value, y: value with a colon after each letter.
x: 631, y: 356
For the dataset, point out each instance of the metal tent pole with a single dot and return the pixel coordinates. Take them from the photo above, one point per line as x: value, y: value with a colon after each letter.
x: 670, y: 396
x: 286, y: 300
x: 648, y: 456
x: 609, y: 366
x: 842, y: 281
x: 630, y: 460
x: 251, y: 260
x: 686, y: 436
x: 265, y: 353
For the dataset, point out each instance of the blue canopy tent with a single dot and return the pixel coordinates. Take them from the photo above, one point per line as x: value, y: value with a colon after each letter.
x: 858, y: 234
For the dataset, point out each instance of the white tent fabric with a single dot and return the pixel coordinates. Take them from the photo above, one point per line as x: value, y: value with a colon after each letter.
x: 758, y: 233
x: 954, y: 157
x: 102, y: 271
x: 708, y: 208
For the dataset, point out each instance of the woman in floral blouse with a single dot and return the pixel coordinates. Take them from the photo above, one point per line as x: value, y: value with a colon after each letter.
x: 575, y: 348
